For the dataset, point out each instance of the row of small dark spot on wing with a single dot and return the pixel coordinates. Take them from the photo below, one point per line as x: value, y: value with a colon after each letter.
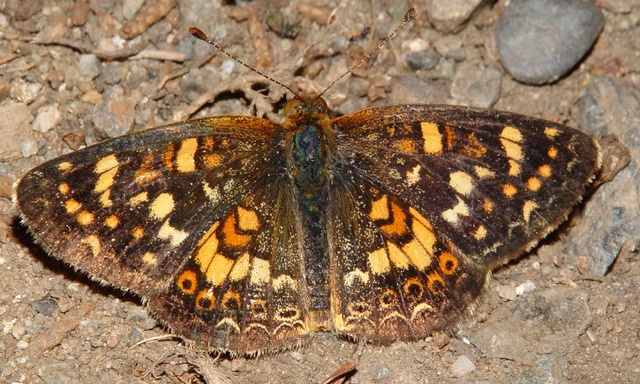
x: 357, y: 192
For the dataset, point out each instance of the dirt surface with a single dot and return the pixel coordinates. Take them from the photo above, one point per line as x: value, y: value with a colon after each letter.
x: 546, y: 318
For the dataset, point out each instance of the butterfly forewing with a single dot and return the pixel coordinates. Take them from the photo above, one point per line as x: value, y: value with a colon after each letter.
x: 129, y: 210
x: 491, y: 183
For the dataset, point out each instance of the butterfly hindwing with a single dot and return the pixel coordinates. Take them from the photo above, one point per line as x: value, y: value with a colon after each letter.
x: 395, y: 277
x: 241, y: 284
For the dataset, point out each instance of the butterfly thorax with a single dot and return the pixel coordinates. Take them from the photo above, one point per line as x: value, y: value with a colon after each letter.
x: 308, y: 144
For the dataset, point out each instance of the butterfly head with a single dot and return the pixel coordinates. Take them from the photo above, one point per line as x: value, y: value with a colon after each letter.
x: 306, y: 109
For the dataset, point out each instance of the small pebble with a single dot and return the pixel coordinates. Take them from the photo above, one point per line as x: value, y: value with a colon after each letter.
x: 506, y: 292
x: 297, y: 356
x: 462, y: 366
x: 525, y: 287
x: 422, y: 60
x: 382, y: 372
x: 450, y: 15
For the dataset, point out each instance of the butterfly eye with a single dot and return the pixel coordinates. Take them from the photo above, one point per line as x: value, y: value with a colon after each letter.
x: 294, y: 107
x: 320, y: 106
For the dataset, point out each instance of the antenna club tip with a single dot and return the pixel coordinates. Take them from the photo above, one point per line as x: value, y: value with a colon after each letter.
x: 411, y: 14
x: 198, y: 33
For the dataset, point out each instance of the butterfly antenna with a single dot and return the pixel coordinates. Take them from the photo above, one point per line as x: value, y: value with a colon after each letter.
x: 196, y: 32
x: 408, y: 17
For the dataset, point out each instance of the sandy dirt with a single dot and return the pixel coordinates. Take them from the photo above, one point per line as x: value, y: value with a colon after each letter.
x: 546, y: 318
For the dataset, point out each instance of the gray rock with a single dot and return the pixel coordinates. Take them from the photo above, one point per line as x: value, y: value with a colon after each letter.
x: 541, y: 40
x: 611, y: 219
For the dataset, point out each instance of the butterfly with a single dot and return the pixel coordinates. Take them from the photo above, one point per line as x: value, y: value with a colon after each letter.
x: 245, y: 235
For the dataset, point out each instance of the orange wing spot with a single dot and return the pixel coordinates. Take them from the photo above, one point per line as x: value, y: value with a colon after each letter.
x: 85, y: 218
x: 106, y: 180
x: 64, y: 188
x: 431, y: 137
x: 231, y: 301
x: 398, y: 227
x: 205, y: 300
x: 509, y: 190
x: 207, y: 247
x: 167, y: 157
x: 241, y: 268
x: 423, y: 232
x: 187, y: 282
x: 552, y: 152
x: 380, y: 209
x: 112, y: 221
x: 379, y: 261
x: 417, y: 252
x: 139, y: 199
x: 248, y: 220
x: 213, y: 160
x: 551, y: 133
x: 448, y: 263
x: 533, y: 184
x: 186, y: 157
x: 480, y: 233
x: 451, y: 136
x: 413, y: 288
x: 435, y: 283
x: 232, y: 238
x: 406, y: 146
x: 137, y: 233
x: 219, y: 269
x: 487, y: 206
x: 397, y: 256
x: 483, y: 172
x: 72, y: 206
x: 106, y: 163
x: 527, y: 209
x: 64, y: 166
x: 105, y: 199
x: 545, y: 171
x: 161, y: 206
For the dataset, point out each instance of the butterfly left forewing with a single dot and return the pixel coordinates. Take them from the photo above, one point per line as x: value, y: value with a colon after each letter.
x: 128, y: 210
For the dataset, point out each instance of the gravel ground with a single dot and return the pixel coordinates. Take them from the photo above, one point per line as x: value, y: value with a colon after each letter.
x: 567, y: 312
